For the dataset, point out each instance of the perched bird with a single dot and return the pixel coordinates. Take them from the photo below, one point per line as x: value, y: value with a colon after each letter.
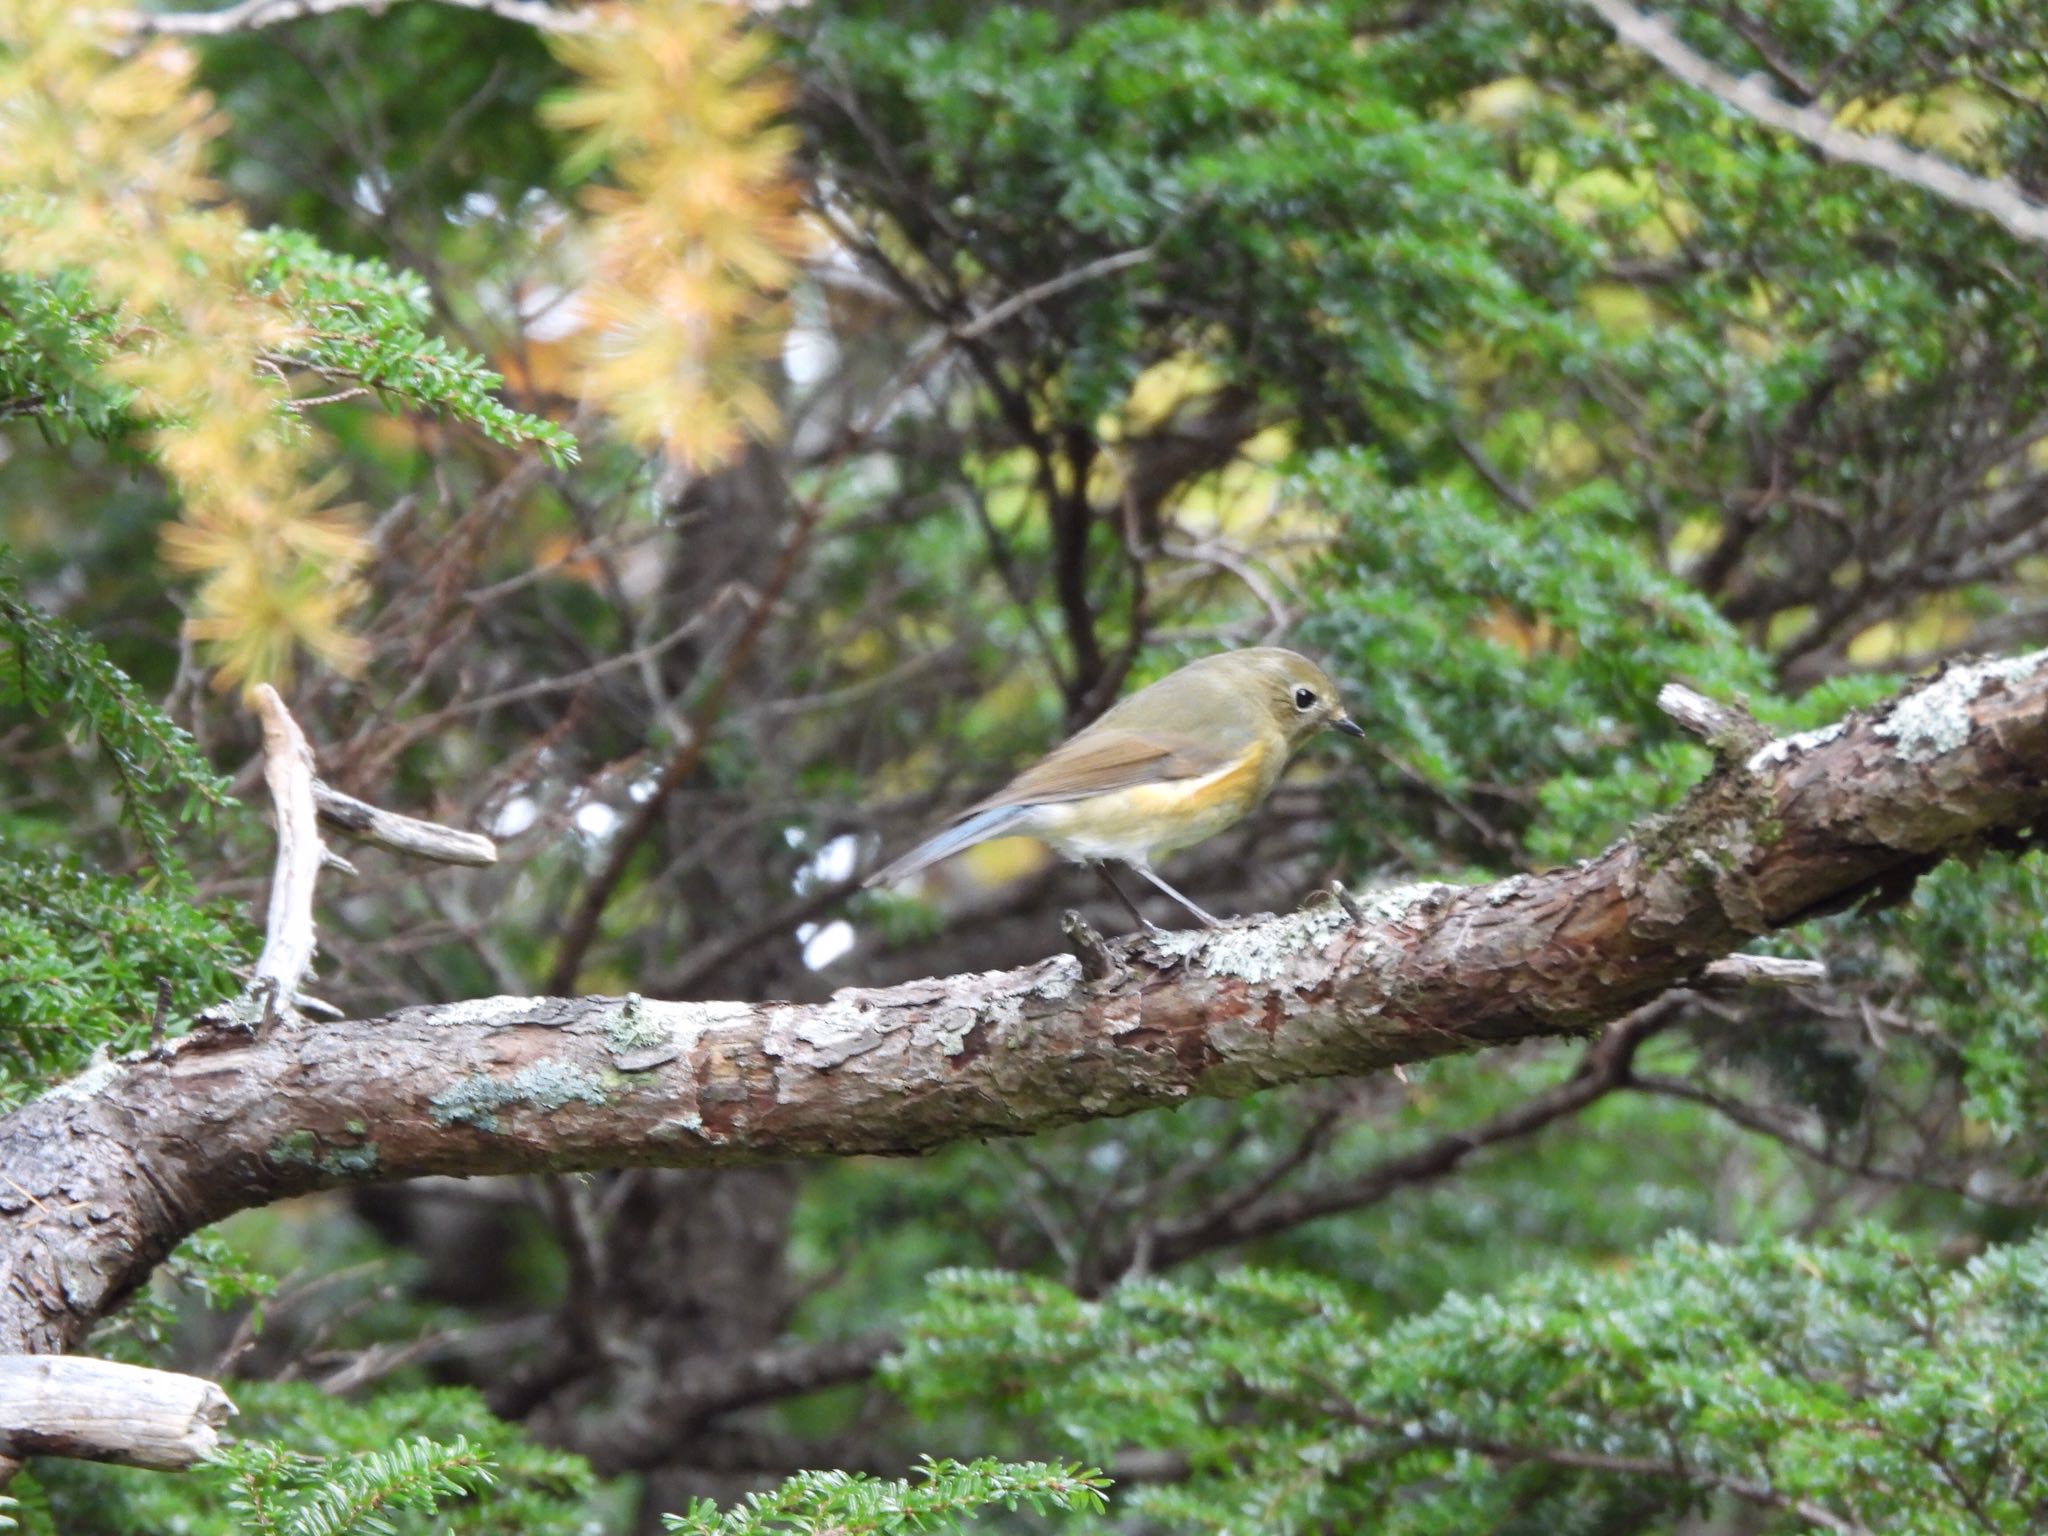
x: 1168, y: 766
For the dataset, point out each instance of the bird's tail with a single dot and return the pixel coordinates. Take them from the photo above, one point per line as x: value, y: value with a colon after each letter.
x: 964, y: 833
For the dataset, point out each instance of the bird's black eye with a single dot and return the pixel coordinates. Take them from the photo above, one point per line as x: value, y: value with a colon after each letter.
x: 1304, y: 699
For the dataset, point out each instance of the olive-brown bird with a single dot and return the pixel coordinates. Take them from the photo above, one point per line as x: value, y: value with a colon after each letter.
x: 1170, y: 765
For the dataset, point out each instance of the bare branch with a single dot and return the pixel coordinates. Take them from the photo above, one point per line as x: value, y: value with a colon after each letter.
x: 1993, y: 195
x: 1695, y: 711
x: 99, y: 1410
x: 1098, y: 963
x: 254, y: 15
x: 300, y: 800
x: 997, y: 314
x: 1763, y: 971
x: 402, y: 834
x: 288, y: 939
x: 1729, y: 731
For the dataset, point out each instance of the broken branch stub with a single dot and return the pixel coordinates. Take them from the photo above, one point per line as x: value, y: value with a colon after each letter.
x: 301, y: 801
x: 101, y: 1410
x: 288, y: 935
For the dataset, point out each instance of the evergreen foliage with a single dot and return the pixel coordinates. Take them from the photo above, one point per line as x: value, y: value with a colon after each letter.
x: 943, y: 1494
x: 1855, y: 1385
x: 352, y: 321
x: 93, y: 955
x: 307, y: 1464
x: 357, y: 321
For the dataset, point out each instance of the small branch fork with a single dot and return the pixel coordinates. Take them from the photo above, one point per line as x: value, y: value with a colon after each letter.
x: 401, y: 834
x: 301, y: 801
x: 98, y: 1410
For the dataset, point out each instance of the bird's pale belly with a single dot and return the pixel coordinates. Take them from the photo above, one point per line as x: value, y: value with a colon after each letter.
x: 1135, y: 824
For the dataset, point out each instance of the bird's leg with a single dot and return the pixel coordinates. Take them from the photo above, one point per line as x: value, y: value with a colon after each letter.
x: 1208, y: 921
x: 1129, y: 905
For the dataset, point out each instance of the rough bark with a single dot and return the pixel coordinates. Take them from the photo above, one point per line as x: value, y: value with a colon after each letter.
x: 104, y: 1173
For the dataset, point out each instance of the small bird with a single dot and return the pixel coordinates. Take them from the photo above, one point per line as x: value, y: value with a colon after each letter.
x: 1170, y: 765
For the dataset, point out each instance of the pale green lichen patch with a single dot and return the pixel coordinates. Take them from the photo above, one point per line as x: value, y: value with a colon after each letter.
x: 1256, y: 952
x: 351, y: 1162
x: 294, y: 1148
x: 99, y: 1071
x: 303, y: 1149
x: 545, y: 1085
x: 1395, y: 903
x: 1263, y: 952
x: 644, y: 1034
x: 638, y: 1041
x: 630, y: 1028
x: 1936, y: 720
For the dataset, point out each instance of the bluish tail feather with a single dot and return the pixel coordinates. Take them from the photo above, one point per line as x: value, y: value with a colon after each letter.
x: 964, y: 833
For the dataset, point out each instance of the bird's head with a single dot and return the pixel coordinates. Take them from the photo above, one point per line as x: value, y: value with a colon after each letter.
x: 1294, y: 693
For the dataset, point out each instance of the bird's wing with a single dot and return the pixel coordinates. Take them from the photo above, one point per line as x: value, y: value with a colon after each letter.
x: 1098, y: 761
x: 1093, y: 763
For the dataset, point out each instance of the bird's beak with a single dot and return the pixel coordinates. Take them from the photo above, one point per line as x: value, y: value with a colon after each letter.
x: 1349, y: 726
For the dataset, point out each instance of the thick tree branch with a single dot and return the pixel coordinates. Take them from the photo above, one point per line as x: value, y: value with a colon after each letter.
x: 107, y: 1171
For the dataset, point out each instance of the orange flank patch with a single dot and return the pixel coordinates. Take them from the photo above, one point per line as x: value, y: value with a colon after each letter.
x: 1148, y: 819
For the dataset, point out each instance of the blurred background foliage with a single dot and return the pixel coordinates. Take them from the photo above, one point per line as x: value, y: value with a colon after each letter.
x: 698, y: 446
